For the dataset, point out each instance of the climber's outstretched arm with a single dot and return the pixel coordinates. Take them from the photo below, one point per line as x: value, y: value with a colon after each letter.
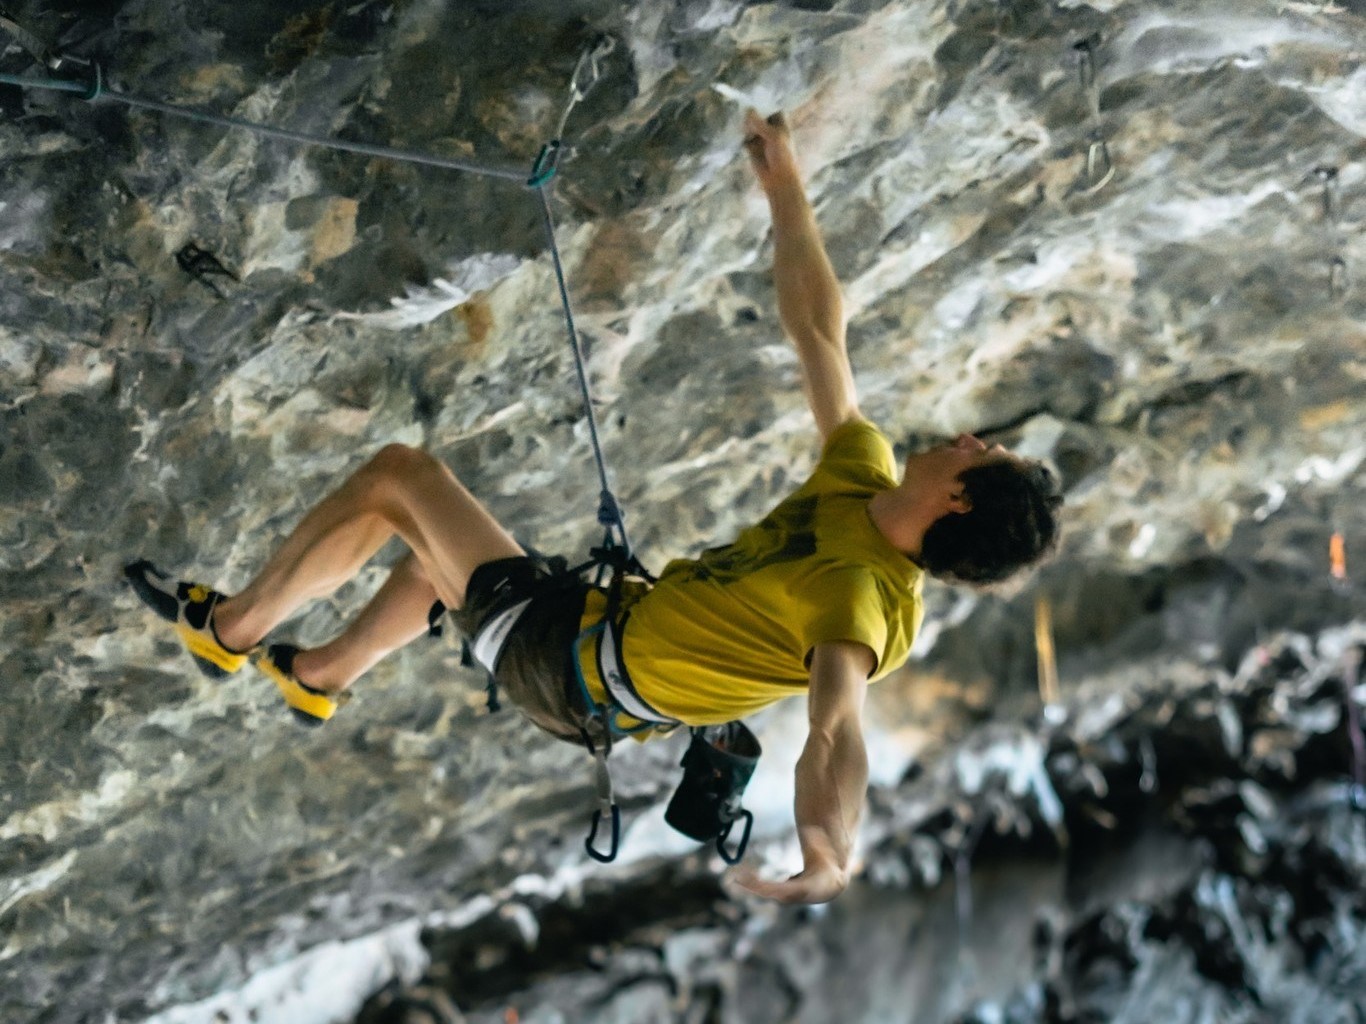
x: 809, y: 302
x: 832, y: 778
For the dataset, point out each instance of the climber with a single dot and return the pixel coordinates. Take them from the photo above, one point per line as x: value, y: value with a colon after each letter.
x: 822, y: 596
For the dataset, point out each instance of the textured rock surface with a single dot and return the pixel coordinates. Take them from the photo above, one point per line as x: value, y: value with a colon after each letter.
x: 1126, y: 866
x: 1169, y: 340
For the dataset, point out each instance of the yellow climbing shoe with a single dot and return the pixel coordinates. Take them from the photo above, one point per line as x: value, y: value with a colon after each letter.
x: 311, y: 707
x: 189, y: 608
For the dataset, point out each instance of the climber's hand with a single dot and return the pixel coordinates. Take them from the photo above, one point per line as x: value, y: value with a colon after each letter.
x: 820, y: 883
x: 769, y: 145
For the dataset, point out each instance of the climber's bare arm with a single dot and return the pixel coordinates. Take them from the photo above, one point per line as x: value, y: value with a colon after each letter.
x: 810, y: 305
x: 832, y: 778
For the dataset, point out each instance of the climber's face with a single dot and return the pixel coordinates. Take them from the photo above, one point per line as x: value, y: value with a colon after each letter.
x: 937, y: 470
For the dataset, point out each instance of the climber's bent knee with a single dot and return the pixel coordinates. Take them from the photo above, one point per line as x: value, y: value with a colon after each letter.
x: 450, y: 532
x: 397, y: 463
x: 399, y: 473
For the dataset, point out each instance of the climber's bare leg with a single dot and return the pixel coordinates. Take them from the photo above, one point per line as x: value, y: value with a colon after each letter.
x: 402, y: 491
x: 396, y: 615
x: 325, y: 550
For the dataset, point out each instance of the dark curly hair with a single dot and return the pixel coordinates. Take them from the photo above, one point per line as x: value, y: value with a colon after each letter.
x: 1012, y: 523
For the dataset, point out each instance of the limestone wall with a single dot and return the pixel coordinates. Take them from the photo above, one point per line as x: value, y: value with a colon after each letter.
x: 1173, y: 336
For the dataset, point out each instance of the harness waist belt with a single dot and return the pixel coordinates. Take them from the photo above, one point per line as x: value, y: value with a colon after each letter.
x: 617, y: 681
x: 493, y: 635
x: 603, y: 674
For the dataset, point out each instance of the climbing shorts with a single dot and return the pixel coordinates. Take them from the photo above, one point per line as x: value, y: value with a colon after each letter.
x: 536, y: 669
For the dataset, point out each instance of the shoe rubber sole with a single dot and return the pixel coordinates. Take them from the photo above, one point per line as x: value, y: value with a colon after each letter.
x: 180, y: 604
x: 309, y: 706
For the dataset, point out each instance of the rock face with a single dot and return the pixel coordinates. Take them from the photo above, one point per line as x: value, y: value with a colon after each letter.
x: 1128, y: 865
x: 1121, y: 237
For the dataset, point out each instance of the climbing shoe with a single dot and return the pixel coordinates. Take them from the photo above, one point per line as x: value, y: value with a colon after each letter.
x: 311, y: 707
x: 189, y: 606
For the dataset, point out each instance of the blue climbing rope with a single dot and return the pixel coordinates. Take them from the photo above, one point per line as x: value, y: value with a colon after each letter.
x: 609, y: 510
x: 85, y: 89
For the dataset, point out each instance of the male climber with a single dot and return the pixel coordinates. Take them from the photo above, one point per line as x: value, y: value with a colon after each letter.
x: 822, y: 596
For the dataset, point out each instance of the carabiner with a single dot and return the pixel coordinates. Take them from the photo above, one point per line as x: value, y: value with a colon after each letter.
x: 1099, y: 167
x: 546, y: 163
x: 607, y: 801
x: 734, y: 858
x: 1329, y: 177
x: 611, y: 855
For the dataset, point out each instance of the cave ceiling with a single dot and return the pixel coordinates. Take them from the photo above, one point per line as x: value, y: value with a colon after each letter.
x: 1122, y: 237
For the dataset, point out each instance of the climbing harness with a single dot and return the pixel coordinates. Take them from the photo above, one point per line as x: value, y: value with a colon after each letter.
x: 717, y: 764
x: 616, y: 681
x: 720, y: 759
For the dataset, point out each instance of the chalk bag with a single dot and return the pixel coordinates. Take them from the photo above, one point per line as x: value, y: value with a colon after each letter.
x: 717, y: 767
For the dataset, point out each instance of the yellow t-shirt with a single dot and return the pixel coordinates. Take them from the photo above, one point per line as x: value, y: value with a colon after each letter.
x: 727, y: 633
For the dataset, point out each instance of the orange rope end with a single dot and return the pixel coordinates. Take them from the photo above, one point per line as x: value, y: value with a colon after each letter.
x: 1043, y: 646
x: 1337, y: 557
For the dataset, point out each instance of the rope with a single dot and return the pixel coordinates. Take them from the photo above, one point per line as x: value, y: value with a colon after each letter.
x: 609, y: 512
x: 57, y: 84
x: 543, y: 172
x: 97, y: 90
